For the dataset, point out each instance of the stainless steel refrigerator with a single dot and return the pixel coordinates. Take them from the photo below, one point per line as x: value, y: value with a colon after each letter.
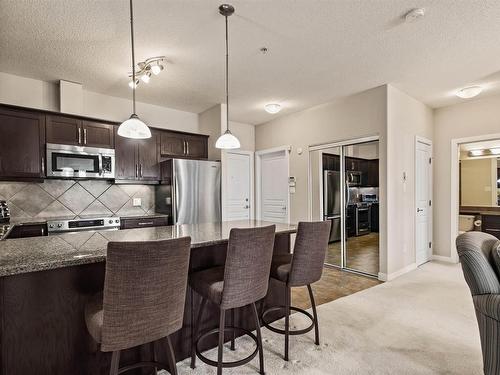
x: 332, y: 202
x: 190, y: 192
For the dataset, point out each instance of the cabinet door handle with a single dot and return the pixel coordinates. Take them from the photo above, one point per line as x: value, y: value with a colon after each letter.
x: 146, y: 223
x: 43, y: 165
x: 79, y: 135
x: 187, y: 147
x: 140, y: 170
x: 136, y: 170
x: 84, y: 136
x: 184, y: 147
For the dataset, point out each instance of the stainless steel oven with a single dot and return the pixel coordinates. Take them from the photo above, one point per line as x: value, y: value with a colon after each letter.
x: 80, y: 162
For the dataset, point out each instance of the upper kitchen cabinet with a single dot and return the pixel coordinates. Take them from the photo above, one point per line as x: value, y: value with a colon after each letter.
x: 22, y: 139
x: 96, y: 134
x: 137, y: 159
x: 73, y: 131
x: 183, y: 145
x: 63, y: 130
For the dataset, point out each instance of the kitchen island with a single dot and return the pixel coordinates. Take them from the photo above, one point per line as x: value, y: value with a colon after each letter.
x: 46, y: 281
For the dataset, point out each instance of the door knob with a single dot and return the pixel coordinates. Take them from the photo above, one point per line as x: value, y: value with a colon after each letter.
x: 420, y: 209
x: 247, y: 206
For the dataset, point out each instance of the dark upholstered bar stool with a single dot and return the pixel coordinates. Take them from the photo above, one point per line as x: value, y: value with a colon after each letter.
x: 302, y: 268
x: 144, y: 297
x: 242, y: 281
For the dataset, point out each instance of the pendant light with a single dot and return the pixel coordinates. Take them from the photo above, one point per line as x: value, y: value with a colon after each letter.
x: 133, y: 127
x: 227, y: 140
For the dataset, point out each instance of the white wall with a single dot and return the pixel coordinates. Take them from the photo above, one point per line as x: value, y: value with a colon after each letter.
x: 209, y: 123
x: 34, y: 93
x: 356, y: 116
x: 479, y: 117
x: 406, y: 119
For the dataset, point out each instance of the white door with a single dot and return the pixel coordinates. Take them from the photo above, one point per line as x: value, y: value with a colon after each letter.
x: 273, y: 186
x: 238, y: 185
x: 423, y: 195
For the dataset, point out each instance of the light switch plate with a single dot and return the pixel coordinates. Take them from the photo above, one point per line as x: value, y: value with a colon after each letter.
x: 136, y: 202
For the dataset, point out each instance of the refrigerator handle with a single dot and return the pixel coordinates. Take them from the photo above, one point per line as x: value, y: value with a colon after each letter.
x: 325, y: 193
x: 174, y: 195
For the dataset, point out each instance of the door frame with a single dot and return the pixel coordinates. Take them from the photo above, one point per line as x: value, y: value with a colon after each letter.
x: 455, y: 188
x: 258, y: 180
x: 224, y: 180
x: 428, y: 142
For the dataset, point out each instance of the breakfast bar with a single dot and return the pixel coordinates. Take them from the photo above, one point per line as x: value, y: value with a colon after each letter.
x: 46, y: 281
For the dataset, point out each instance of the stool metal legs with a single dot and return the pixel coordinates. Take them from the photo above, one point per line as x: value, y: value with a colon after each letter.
x: 115, y: 363
x: 315, y: 314
x: 287, y: 331
x: 259, y: 339
x: 220, y: 364
x: 194, y: 335
x: 287, y: 321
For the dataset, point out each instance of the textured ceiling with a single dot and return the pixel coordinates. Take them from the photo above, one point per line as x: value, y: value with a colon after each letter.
x: 319, y: 50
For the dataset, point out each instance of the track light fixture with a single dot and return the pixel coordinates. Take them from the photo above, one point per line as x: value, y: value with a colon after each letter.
x: 153, y: 65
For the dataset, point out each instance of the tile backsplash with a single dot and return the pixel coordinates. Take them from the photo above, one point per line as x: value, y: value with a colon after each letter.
x: 70, y: 199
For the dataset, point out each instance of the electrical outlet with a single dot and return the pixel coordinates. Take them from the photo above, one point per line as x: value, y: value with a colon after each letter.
x: 136, y: 202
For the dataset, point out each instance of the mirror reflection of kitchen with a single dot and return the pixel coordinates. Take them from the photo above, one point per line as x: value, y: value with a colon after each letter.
x: 345, y: 190
x: 480, y: 187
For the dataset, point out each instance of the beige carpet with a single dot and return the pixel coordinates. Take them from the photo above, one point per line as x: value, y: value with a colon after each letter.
x: 420, y: 323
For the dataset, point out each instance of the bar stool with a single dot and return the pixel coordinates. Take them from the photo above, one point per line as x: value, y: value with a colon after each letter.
x: 302, y: 268
x: 144, y: 297
x: 242, y: 281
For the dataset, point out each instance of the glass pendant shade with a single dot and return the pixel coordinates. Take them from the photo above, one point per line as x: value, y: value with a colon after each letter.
x: 227, y: 141
x: 134, y: 128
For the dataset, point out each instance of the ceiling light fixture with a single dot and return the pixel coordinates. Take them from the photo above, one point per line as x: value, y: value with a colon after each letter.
x: 414, y: 15
x: 476, y: 152
x: 144, y: 69
x: 469, y: 92
x: 227, y: 140
x: 272, y: 108
x: 133, y: 127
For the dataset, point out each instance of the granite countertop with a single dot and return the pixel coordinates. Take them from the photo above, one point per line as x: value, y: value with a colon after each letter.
x: 44, y: 253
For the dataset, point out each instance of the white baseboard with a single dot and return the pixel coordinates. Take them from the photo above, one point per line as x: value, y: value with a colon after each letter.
x: 393, y: 275
x: 442, y: 258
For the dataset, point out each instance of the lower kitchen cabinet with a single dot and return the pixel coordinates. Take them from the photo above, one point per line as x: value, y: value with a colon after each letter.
x: 491, y: 225
x: 143, y: 222
x: 22, y: 144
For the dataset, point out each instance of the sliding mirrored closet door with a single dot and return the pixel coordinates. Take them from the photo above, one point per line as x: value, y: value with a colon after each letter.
x: 344, y: 188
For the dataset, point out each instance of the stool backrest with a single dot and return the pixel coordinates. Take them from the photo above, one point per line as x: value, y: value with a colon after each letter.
x: 248, y: 264
x: 309, y: 252
x: 144, y: 291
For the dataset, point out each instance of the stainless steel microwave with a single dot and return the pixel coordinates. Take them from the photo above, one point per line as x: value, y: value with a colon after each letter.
x: 80, y: 162
x: 354, y: 178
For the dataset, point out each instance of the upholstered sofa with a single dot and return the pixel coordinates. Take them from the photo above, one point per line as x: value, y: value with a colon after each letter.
x: 480, y: 259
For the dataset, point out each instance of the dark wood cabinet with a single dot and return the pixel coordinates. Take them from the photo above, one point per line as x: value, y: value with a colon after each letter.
x: 183, y: 145
x: 137, y: 159
x: 352, y: 164
x: 126, y: 167
x: 491, y: 224
x: 22, y: 139
x: 370, y: 173
x: 77, y: 132
x: 143, y: 222
x: 63, y: 130
x: 99, y: 135
x: 149, y: 168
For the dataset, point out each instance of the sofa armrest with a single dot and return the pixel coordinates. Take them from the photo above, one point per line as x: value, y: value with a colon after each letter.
x: 488, y: 304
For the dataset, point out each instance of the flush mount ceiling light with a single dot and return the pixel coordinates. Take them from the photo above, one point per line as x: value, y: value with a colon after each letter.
x: 227, y: 140
x: 414, y: 15
x: 469, y: 92
x: 272, y: 108
x: 153, y: 65
x: 133, y: 127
